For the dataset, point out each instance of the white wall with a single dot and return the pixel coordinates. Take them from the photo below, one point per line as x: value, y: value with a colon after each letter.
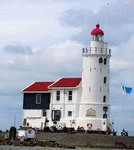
x: 34, y: 117
x: 65, y: 105
x: 32, y: 113
x: 30, y: 135
x: 21, y: 132
x: 98, y: 110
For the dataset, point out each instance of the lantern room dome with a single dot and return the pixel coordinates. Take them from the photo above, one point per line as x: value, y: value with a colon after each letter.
x: 97, y: 31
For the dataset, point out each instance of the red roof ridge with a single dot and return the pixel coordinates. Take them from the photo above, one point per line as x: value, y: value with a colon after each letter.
x: 54, y: 82
x: 26, y: 87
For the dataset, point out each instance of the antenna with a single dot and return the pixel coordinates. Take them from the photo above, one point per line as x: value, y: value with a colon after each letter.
x: 15, y: 120
x: 106, y: 21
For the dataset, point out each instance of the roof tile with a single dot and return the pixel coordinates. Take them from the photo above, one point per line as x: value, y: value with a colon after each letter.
x: 38, y: 86
x: 67, y: 82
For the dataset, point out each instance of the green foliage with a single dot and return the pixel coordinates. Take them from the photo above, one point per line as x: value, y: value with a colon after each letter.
x: 12, y: 133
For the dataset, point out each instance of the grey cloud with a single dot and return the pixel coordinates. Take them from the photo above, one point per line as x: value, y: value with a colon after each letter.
x: 77, y: 17
x: 120, y: 22
x: 18, y: 49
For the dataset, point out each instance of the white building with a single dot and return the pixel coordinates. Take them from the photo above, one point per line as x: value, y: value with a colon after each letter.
x: 26, y: 132
x: 74, y: 102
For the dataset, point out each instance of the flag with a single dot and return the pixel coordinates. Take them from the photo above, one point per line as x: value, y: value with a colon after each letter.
x: 126, y: 90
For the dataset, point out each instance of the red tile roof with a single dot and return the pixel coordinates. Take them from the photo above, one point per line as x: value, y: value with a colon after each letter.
x: 38, y: 86
x: 67, y: 82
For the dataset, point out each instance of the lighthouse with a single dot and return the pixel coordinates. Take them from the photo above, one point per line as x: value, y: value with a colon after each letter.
x: 94, y: 113
x: 74, y: 101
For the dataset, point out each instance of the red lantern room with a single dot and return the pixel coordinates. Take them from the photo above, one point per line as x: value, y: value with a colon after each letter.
x: 97, y: 34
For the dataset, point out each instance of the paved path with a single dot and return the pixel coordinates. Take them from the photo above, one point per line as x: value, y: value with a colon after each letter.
x: 78, y: 139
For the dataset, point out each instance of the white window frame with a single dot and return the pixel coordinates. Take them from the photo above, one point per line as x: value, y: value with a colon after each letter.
x: 37, y: 99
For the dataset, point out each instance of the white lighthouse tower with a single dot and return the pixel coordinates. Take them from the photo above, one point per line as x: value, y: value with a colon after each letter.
x: 94, y: 107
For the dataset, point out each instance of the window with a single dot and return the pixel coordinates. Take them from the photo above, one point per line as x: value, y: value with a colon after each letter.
x: 105, y: 108
x: 100, y: 70
x: 70, y: 95
x: 56, y: 115
x: 89, y: 89
x: 105, y: 61
x: 100, y: 88
x: 29, y: 131
x: 44, y: 112
x: 90, y: 69
x: 69, y: 113
x: 104, y: 99
x: 105, y: 79
x: 38, y: 99
x: 58, y: 95
x: 104, y: 115
x: 100, y: 60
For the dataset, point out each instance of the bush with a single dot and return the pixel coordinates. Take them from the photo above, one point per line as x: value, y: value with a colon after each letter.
x: 12, y: 133
x: 65, y: 129
x: 46, y: 129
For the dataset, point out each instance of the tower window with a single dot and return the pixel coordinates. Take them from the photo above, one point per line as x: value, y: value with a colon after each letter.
x: 89, y: 89
x: 70, y: 95
x: 105, y: 79
x: 38, y: 99
x: 105, y: 61
x: 100, y: 70
x: 100, y: 60
x: 90, y: 69
x: 105, y: 108
x: 104, y: 115
x: 100, y: 88
x: 104, y: 98
x: 58, y: 96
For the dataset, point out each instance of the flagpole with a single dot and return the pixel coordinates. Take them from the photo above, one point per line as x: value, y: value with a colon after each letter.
x: 120, y: 110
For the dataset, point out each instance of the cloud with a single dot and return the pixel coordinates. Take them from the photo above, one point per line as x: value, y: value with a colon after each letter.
x: 121, y: 64
x: 120, y: 22
x: 77, y: 17
x: 46, y: 64
x: 18, y: 49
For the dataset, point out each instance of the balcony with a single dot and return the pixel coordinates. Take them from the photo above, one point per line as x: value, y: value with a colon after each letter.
x: 96, y: 50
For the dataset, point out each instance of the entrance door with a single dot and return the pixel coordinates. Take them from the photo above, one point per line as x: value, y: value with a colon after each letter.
x: 56, y: 114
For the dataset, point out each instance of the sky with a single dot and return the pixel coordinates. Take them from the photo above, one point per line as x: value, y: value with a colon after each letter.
x: 42, y: 40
